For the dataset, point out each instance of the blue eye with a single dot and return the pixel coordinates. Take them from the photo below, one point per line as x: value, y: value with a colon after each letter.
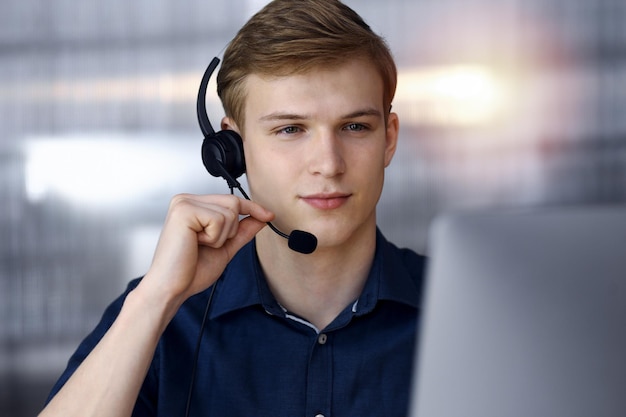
x: 289, y: 130
x: 355, y: 127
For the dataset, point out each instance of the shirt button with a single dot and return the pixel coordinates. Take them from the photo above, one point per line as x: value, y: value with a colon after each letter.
x: 321, y: 339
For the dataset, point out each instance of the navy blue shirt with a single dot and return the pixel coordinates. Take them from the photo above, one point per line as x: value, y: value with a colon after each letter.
x: 257, y: 359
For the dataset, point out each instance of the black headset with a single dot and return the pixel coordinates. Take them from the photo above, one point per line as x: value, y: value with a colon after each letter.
x: 222, y: 156
x: 222, y: 152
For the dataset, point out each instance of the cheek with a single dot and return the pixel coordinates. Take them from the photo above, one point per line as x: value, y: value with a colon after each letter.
x: 268, y: 157
x: 374, y: 159
x: 265, y: 172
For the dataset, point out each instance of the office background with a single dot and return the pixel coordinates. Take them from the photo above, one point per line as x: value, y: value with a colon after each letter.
x: 503, y: 104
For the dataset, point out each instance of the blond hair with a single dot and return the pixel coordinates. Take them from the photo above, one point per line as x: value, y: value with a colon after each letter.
x: 295, y: 36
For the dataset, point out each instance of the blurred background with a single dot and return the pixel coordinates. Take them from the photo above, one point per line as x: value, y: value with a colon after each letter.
x: 503, y: 103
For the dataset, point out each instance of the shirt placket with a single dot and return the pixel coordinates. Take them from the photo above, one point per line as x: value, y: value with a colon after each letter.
x: 319, y: 378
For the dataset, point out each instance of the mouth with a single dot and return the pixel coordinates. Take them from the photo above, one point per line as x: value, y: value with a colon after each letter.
x: 326, y: 201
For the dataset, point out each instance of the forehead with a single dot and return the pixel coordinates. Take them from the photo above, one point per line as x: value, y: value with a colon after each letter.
x: 321, y: 91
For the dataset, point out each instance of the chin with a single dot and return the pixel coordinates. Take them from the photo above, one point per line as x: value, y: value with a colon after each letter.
x: 338, y: 235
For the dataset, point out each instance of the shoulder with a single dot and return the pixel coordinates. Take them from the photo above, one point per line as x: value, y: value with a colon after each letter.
x: 402, y: 272
x: 405, y: 259
x: 411, y: 260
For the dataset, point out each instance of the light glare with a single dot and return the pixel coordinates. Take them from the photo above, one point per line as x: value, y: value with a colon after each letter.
x: 456, y: 95
x: 98, y: 171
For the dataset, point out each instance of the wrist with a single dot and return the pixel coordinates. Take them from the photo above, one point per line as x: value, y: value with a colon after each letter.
x: 157, y: 306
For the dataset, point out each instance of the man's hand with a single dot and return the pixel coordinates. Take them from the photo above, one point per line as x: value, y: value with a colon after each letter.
x: 200, y: 236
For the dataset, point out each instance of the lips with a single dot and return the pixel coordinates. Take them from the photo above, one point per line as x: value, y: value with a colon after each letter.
x: 326, y: 201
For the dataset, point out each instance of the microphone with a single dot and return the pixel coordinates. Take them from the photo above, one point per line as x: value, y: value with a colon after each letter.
x: 301, y: 241
x: 298, y: 240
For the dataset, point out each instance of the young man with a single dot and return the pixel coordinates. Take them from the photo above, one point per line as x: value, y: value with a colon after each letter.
x: 308, y: 86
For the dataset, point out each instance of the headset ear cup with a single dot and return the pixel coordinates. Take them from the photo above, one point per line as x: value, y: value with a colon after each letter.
x: 224, y: 150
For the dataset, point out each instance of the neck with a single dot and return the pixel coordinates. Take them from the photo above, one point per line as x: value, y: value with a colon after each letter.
x: 316, y: 286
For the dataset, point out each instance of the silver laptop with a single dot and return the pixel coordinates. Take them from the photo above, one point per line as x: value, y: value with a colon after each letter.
x: 525, y: 316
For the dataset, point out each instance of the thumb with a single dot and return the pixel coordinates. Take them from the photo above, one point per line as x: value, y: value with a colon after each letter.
x: 248, y: 228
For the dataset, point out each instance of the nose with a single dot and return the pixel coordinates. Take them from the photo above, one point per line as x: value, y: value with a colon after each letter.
x: 325, y: 155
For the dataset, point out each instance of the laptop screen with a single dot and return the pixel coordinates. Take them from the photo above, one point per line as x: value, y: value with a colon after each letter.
x: 525, y: 315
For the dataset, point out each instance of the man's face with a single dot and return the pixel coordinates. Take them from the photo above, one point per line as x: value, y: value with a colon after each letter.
x: 316, y: 147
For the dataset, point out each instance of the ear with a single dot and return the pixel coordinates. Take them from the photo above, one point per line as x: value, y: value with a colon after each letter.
x: 229, y: 124
x: 391, y: 137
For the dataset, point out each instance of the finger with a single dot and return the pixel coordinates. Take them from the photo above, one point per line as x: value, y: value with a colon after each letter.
x: 215, y: 218
x: 248, y: 228
x: 227, y: 227
x: 255, y: 210
x: 237, y: 204
x: 222, y: 224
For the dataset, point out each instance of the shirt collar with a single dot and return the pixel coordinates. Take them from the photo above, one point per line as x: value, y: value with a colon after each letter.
x: 392, y: 278
x: 241, y: 284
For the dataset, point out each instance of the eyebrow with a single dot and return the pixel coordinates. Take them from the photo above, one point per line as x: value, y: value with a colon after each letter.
x: 282, y: 116
x: 277, y: 116
x: 370, y: 111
